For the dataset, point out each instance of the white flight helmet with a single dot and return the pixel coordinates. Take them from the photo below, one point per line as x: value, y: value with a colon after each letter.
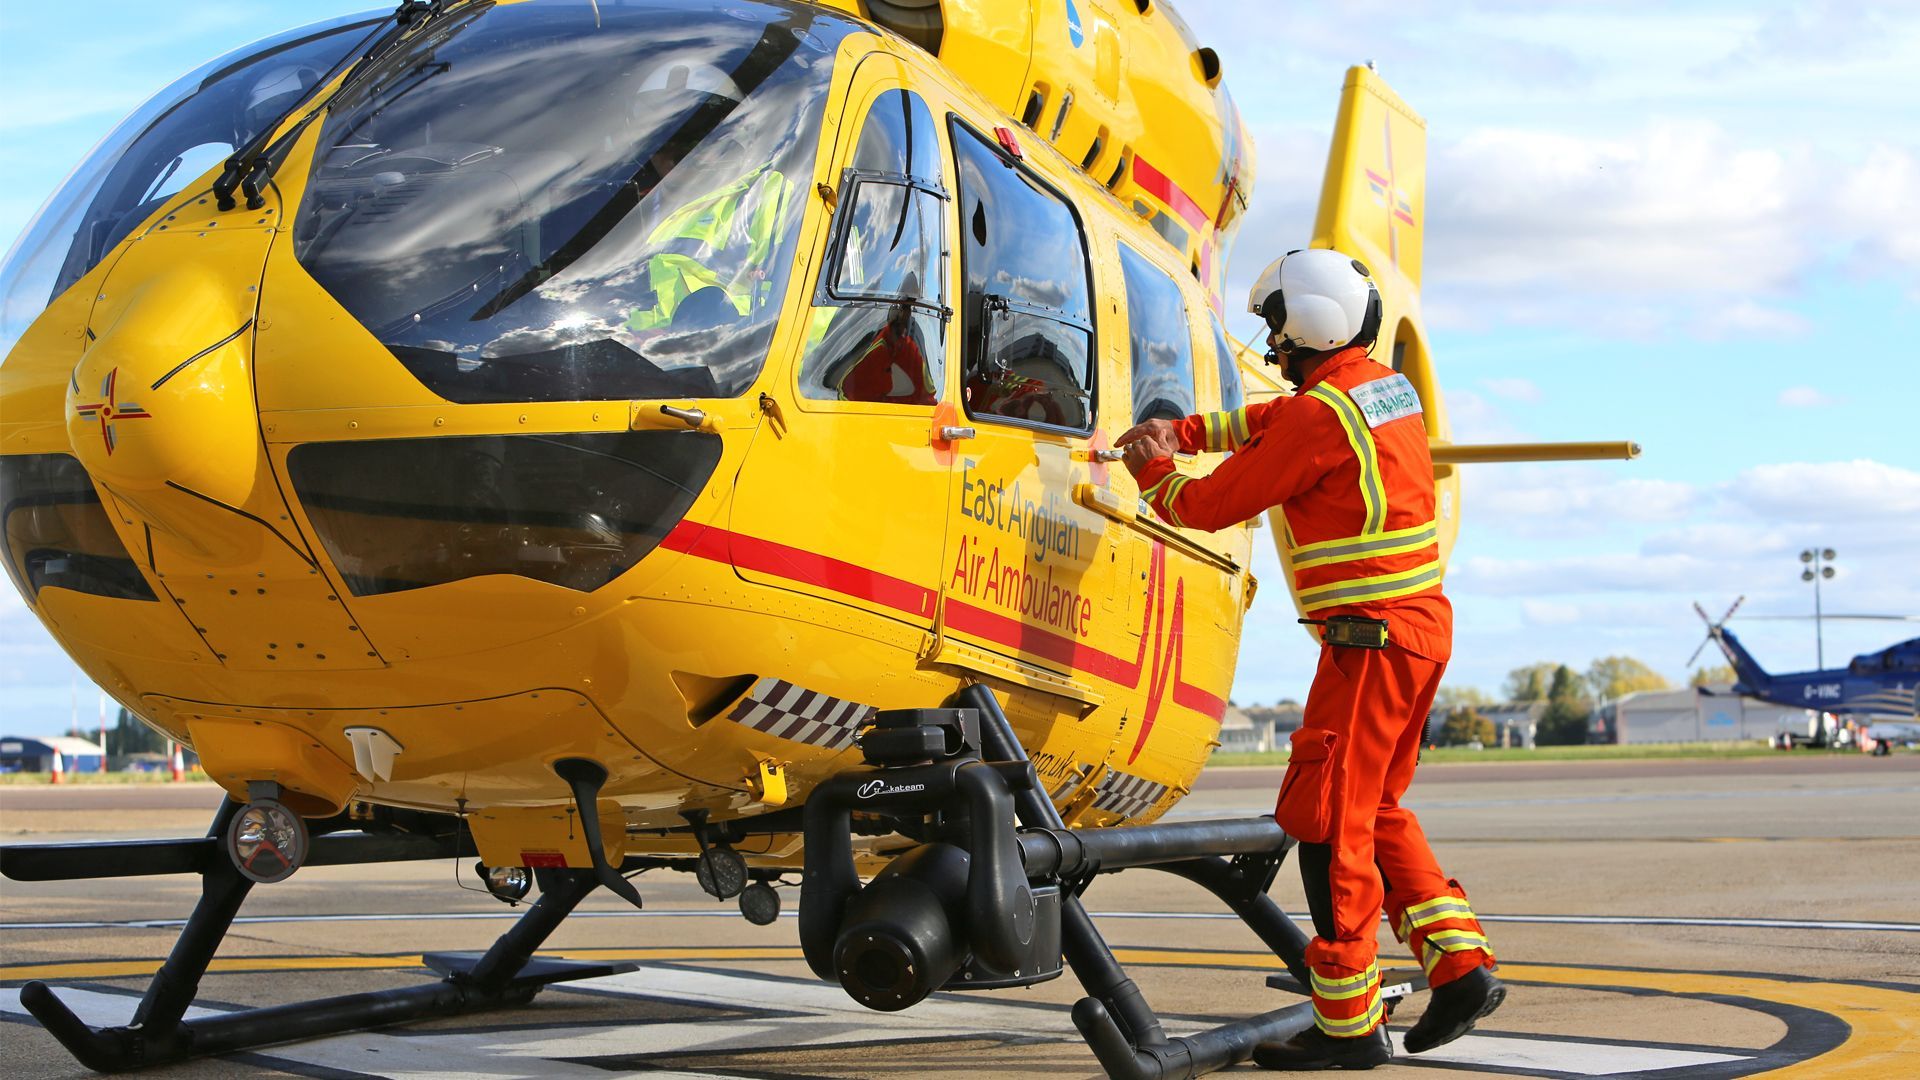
x: 1317, y: 300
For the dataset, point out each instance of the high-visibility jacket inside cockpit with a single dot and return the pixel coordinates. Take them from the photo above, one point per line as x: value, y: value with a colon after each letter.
x: 720, y: 240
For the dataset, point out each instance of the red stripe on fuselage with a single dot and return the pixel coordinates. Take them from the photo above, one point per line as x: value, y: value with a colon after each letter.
x: 715, y: 544
x: 1161, y: 186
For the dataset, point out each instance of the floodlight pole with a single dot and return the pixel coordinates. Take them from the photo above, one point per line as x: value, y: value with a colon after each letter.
x: 1818, y: 564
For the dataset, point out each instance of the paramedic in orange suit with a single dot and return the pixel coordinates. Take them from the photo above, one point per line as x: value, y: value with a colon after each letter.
x: 1345, y: 461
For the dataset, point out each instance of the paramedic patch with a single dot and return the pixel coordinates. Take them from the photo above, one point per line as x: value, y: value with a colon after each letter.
x: 786, y: 711
x: 1383, y: 401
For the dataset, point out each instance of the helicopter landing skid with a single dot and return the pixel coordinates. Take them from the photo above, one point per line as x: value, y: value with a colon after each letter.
x: 1114, y: 1018
x: 505, y: 975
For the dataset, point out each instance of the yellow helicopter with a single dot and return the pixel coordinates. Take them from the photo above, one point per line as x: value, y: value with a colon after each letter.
x: 612, y: 436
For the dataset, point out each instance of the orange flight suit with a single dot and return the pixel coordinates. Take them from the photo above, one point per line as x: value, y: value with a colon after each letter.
x: 1346, y: 461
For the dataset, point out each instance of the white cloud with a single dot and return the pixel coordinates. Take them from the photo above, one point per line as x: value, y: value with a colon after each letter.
x: 1475, y: 419
x: 1568, y: 498
x: 1677, y: 206
x: 1822, y: 492
x: 1575, y: 575
x: 1876, y: 205
x: 1806, y: 397
x: 1824, y: 30
x: 1524, y: 391
x: 1748, y: 319
x: 1549, y: 613
x: 1726, y: 539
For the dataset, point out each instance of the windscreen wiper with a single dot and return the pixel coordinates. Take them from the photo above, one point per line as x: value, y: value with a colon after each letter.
x: 251, y: 166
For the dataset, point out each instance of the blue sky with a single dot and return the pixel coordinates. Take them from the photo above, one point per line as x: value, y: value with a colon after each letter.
x: 1698, y: 229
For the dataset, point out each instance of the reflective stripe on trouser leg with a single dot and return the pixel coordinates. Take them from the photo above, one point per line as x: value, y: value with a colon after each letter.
x: 1441, y: 927
x: 1347, y: 1006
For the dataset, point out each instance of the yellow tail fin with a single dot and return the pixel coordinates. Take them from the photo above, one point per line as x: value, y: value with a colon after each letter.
x: 1373, y: 200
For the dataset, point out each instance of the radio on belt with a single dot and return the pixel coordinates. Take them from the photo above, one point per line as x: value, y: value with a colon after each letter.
x: 1351, y: 631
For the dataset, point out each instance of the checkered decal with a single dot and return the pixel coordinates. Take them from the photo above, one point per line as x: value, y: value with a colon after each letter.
x: 786, y: 711
x: 1127, y: 795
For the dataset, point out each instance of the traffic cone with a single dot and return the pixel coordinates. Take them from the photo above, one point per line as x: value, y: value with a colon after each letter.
x: 179, y: 764
x: 59, y: 770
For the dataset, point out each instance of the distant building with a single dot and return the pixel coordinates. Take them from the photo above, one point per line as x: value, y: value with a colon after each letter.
x: 34, y: 753
x: 1240, y: 733
x: 1515, y: 721
x: 1258, y: 728
x: 1698, y: 714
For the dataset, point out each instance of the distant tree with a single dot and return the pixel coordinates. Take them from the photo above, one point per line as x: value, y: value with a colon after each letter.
x: 1707, y: 676
x: 1464, y: 726
x: 1568, y: 711
x: 1529, y: 683
x: 1454, y: 697
x: 133, y: 736
x: 1614, y: 677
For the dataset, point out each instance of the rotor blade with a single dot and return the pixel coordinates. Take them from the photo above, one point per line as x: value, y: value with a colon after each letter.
x: 1736, y: 607
x: 1809, y: 618
x: 1703, y: 648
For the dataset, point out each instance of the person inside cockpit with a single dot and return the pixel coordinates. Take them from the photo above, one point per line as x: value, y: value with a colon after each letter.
x: 721, y: 240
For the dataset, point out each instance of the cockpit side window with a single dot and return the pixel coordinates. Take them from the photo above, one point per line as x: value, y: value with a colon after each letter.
x: 1026, y: 310
x: 1162, y: 341
x: 169, y: 142
x: 1232, y: 394
x: 878, y: 328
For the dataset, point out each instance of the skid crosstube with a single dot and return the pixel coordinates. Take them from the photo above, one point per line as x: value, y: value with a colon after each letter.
x: 505, y: 975
x: 1235, y: 860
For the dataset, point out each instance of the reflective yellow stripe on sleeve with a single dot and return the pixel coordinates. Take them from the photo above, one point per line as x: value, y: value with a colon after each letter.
x: 1170, y: 494
x: 1225, y: 430
x: 1373, y: 489
x: 1162, y: 495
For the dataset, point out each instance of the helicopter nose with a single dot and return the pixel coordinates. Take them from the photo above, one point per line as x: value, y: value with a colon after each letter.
x: 163, y: 393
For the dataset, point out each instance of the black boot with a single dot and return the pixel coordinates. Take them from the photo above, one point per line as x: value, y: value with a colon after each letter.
x: 1315, y: 1049
x: 1455, y: 1008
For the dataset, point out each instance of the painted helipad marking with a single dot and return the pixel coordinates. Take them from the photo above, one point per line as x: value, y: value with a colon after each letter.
x: 1862, y: 1030
x: 1535, y: 1056
x: 730, y: 913
x: 795, y: 1014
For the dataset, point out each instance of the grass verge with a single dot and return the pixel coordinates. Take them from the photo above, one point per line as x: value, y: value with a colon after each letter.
x: 39, y: 779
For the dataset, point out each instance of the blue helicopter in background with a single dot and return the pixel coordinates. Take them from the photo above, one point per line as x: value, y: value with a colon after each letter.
x: 1879, y: 690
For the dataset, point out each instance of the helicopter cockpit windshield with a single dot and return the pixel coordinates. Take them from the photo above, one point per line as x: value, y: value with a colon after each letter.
x: 563, y: 200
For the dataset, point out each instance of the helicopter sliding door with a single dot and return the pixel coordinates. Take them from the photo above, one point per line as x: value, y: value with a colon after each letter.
x: 844, y: 494
x: 1038, y: 586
